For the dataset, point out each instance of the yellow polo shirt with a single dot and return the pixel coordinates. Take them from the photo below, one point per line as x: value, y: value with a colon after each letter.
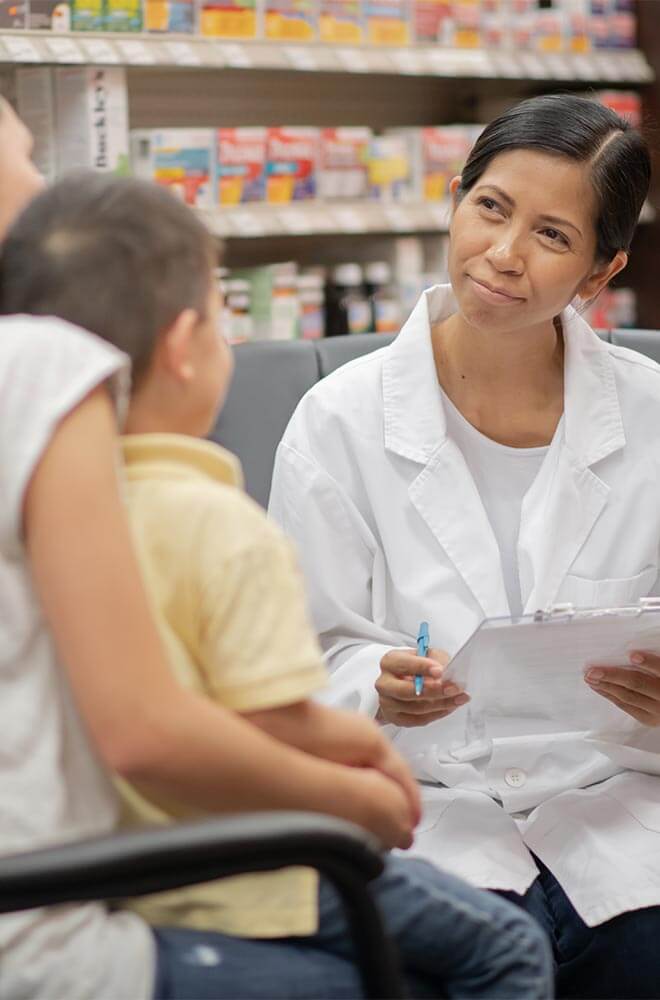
x: 230, y: 604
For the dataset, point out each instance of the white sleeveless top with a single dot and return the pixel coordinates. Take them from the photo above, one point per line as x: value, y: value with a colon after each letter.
x: 52, y: 786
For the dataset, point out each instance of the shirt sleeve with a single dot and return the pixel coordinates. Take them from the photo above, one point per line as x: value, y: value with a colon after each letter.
x: 339, y: 556
x: 47, y: 367
x: 257, y: 647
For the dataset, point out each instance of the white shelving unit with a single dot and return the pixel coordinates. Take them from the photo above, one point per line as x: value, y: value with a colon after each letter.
x: 24, y: 47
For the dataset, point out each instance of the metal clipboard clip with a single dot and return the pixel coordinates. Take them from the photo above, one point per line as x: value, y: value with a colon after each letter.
x: 568, y: 611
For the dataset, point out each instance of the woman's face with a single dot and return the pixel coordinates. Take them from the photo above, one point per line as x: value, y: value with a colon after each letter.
x: 20, y: 180
x: 523, y: 242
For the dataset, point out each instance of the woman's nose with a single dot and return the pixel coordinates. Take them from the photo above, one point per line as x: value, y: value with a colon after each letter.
x: 505, y: 256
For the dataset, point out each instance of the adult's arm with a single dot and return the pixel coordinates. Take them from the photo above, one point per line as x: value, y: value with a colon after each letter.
x: 145, y: 726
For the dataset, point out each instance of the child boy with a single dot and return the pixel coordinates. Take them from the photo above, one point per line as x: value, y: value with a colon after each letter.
x: 128, y: 262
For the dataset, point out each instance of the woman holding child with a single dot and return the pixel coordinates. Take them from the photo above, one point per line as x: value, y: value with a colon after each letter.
x: 86, y: 687
x: 499, y: 458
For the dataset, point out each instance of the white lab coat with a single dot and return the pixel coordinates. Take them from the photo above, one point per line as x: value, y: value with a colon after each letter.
x: 391, y: 530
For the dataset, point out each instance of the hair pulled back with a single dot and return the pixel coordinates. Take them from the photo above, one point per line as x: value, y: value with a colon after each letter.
x: 583, y: 130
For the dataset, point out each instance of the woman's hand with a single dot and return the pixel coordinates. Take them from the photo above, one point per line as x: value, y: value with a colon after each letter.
x: 635, y: 691
x: 396, y: 688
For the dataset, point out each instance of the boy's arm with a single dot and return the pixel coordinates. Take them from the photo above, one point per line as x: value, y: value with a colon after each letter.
x: 143, y: 723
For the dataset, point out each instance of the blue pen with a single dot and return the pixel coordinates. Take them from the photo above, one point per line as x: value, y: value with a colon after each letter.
x: 422, y: 650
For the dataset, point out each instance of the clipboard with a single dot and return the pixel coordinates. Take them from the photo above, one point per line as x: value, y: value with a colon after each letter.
x: 525, y: 676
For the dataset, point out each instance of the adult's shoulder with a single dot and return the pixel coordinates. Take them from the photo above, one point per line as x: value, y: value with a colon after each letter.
x: 349, y: 399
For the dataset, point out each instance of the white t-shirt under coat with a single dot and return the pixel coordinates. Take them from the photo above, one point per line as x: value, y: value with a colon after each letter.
x: 502, y: 475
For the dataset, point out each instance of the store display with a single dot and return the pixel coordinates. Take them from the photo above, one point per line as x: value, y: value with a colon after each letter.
x: 52, y: 15
x: 13, y: 14
x: 238, y: 311
x: 36, y: 107
x: 91, y: 118
x: 348, y: 309
x: 122, y: 15
x: 290, y: 20
x: 164, y: 16
x: 390, y: 167
x: 87, y: 15
x: 383, y: 298
x: 291, y: 163
x: 230, y: 19
x: 311, y: 297
x: 341, y: 22
x: 241, y: 165
x: 344, y: 163
x: 181, y: 159
x: 387, y: 22
x: 285, y: 307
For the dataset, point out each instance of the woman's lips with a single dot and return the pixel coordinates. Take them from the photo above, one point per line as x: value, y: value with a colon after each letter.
x: 492, y: 296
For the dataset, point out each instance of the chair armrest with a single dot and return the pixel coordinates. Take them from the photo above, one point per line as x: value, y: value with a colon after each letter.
x: 155, y: 859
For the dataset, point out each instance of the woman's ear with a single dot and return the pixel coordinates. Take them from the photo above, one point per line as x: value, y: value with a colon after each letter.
x: 454, y: 187
x: 598, y: 279
x: 176, y: 348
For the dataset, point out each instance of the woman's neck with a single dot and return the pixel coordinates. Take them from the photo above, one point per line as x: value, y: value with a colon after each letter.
x: 509, y: 385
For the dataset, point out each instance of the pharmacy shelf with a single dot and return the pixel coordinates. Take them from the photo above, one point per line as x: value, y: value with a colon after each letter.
x: 607, y: 66
x: 343, y: 218
x: 347, y: 218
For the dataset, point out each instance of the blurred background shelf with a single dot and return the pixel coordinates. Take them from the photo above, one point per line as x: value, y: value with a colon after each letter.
x: 605, y: 66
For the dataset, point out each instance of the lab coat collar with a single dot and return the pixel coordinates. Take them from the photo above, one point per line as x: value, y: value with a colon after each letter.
x: 414, y: 419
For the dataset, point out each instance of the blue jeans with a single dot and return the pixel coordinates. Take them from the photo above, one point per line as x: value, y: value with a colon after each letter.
x: 454, y: 941
x: 619, y: 959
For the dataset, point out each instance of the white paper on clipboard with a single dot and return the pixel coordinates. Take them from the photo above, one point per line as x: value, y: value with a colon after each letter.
x: 525, y: 676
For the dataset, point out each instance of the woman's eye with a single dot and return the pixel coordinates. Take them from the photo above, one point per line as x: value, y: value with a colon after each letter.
x: 488, y: 203
x: 555, y: 236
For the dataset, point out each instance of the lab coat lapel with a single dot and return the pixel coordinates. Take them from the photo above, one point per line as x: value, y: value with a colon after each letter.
x: 443, y: 493
x: 568, y: 497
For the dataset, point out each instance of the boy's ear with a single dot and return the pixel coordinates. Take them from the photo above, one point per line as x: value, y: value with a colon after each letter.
x: 176, y: 346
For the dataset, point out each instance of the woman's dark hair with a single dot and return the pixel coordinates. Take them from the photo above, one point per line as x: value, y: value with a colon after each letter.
x: 119, y: 257
x: 584, y: 130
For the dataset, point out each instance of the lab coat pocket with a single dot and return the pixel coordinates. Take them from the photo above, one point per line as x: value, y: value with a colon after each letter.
x: 639, y: 794
x: 586, y: 593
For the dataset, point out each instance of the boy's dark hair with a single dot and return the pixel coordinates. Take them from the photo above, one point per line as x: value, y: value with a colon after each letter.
x: 119, y: 257
x: 583, y: 130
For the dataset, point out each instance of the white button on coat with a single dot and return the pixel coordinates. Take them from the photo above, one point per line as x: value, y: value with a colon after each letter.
x: 515, y: 777
x: 391, y: 530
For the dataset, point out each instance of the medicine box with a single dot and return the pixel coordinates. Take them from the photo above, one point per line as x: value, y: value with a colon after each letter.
x: 122, y: 15
x: 51, y: 15
x: 341, y: 22
x: 91, y: 118
x: 87, y: 15
x: 344, y: 162
x: 241, y: 165
x: 387, y: 22
x: 291, y: 164
x: 290, y: 20
x: 177, y: 16
x: 390, y: 167
x: 236, y: 19
x: 181, y: 159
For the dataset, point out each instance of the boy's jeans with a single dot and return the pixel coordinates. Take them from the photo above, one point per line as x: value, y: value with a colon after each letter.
x: 454, y: 941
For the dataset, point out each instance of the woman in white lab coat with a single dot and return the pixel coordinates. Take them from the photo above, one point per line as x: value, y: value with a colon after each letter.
x: 497, y: 458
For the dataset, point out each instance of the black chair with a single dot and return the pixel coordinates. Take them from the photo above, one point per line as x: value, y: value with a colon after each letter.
x: 137, y: 863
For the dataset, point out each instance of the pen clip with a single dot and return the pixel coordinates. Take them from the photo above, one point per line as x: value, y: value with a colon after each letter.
x: 423, y: 639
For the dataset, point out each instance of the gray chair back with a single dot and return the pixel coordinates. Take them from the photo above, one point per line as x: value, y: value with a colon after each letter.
x: 269, y: 381
x: 645, y: 341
